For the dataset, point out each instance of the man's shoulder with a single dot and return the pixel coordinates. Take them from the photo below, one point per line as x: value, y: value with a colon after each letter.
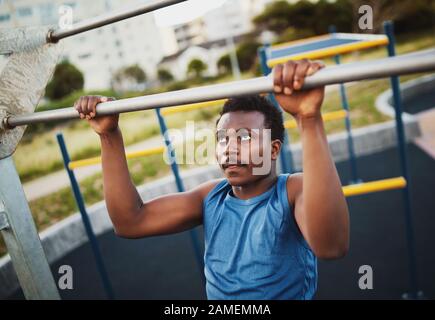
x: 294, y: 186
x: 204, y: 188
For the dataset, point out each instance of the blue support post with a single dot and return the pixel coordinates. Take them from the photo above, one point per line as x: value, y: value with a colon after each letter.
x: 85, y: 218
x: 285, y: 154
x: 345, y: 105
x: 401, y: 139
x: 180, y: 187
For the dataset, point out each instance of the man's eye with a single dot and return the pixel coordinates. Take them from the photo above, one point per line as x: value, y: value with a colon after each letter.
x: 245, y: 137
x: 222, y: 139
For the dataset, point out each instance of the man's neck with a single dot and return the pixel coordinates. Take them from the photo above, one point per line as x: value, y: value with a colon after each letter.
x: 256, y: 188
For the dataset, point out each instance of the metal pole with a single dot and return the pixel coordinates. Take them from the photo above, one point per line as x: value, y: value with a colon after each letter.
x: 109, y: 18
x: 345, y: 105
x: 401, y: 139
x: 85, y: 218
x: 331, y: 75
x: 233, y: 58
x: 21, y: 237
x: 286, y: 153
x: 180, y: 187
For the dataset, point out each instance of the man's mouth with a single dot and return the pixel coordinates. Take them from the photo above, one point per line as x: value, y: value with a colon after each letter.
x: 233, y: 166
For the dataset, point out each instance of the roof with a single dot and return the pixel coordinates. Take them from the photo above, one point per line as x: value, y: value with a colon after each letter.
x: 206, y: 45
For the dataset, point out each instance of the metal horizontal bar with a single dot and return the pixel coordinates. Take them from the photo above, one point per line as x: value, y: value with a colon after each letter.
x: 109, y: 18
x: 374, y: 186
x: 327, y: 116
x: 373, y: 69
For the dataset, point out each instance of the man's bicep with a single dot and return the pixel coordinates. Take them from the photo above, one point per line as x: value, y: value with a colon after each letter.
x: 172, y: 213
x: 295, y: 196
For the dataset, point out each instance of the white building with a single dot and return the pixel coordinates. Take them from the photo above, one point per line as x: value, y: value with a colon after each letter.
x: 205, y: 37
x: 97, y: 53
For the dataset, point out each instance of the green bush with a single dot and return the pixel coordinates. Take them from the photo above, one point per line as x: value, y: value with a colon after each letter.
x: 66, y: 79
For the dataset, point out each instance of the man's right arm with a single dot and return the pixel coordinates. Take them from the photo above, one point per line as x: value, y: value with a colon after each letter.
x: 131, y: 217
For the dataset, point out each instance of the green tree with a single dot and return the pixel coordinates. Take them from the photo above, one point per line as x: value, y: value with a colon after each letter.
x: 128, y: 78
x: 307, y: 17
x: 224, y: 64
x: 246, y: 53
x: 164, y: 75
x: 196, y: 67
x: 66, y: 79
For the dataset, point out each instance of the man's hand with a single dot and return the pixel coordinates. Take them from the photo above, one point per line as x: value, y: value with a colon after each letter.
x: 289, y: 79
x: 86, y: 106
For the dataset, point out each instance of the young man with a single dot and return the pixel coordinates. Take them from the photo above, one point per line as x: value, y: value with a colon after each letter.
x: 263, y: 231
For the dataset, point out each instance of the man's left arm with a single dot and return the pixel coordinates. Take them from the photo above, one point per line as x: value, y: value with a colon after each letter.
x: 320, y: 207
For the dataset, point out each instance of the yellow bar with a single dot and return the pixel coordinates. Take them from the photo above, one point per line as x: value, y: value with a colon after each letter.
x: 193, y: 106
x: 374, y: 186
x: 327, y: 52
x: 131, y: 155
x: 328, y: 116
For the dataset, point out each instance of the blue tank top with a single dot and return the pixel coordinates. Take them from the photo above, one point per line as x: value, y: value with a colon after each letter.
x: 253, y: 248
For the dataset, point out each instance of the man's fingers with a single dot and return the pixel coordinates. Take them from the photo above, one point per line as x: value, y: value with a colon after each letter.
x: 277, y: 78
x: 314, y: 67
x: 288, y: 75
x: 300, y: 73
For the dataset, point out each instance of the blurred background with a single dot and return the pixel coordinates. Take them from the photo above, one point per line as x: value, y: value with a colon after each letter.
x: 182, y: 46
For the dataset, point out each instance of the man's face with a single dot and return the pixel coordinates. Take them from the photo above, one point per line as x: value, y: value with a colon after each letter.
x: 244, y: 149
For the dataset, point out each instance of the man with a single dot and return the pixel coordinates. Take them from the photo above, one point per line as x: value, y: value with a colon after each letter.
x: 262, y: 231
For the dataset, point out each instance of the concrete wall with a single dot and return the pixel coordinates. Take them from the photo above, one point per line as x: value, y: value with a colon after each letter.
x: 67, y: 235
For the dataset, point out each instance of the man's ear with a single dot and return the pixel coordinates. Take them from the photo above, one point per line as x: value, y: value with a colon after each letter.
x: 275, y: 149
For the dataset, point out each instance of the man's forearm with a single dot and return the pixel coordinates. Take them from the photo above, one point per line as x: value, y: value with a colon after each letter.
x: 325, y: 208
x: 122, y: 198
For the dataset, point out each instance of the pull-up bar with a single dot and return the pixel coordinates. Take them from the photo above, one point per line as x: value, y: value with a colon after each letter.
x: 373, y: 69
x: 105, y: 19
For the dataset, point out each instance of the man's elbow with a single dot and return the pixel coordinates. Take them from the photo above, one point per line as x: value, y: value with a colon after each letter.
x: 332, y: 252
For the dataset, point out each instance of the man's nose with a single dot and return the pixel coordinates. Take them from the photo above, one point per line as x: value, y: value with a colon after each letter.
x: 232, y: 147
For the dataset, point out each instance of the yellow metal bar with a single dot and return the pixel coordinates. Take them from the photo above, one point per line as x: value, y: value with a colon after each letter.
x: 328, y: 116
x: 131, y: 155
x: 374, y: 186
x: 328, y: 52
x: 193, y: 106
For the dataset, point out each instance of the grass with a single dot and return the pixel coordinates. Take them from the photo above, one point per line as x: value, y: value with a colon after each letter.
x: 82, y: 142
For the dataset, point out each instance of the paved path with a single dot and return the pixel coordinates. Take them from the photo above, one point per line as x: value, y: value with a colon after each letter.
x: 53, y: 182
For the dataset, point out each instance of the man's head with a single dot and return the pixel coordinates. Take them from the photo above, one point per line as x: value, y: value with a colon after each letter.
x: 249, y: 134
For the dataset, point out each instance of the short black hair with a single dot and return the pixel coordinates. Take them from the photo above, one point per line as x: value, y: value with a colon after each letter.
x: 272, y: 116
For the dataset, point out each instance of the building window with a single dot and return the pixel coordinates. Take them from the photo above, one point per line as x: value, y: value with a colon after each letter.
x: 84, y: 56
x: 24, y: 12
x: 5, y: 17
x: 48, y: 13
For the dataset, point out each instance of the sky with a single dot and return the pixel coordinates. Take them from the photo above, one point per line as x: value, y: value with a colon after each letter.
x: 185, y: 11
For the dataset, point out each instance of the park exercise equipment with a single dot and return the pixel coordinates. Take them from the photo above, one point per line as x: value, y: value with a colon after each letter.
x: 32, y: 59
x: 24, y: 246
x: 374, y: 69
x: 318, y: 47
